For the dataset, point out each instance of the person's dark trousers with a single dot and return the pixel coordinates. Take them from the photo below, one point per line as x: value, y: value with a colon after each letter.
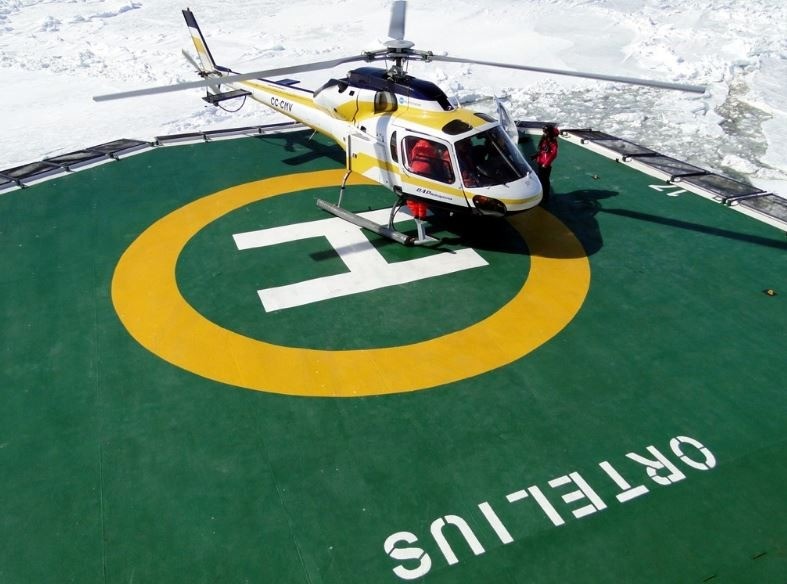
x: 543, y: 176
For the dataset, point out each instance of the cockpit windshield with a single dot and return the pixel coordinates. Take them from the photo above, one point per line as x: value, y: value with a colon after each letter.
x: 490, y: 158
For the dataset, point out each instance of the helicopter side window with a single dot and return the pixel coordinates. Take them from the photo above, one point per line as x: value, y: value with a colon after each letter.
x: 394, y: 149
x: 429, y: 158
x: 385, y: 101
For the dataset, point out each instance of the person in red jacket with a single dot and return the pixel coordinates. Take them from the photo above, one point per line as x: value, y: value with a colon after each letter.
x: 545, y: 156
x: 422, y: 156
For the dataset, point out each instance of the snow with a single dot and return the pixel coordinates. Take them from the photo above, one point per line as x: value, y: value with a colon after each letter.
x: 56, y: 55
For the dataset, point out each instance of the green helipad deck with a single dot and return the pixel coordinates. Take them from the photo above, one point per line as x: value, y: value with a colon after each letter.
x: 205, y: 378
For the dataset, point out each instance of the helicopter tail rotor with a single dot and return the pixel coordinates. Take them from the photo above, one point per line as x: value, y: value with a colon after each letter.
x: 192, y: 61
x: 214, y: 74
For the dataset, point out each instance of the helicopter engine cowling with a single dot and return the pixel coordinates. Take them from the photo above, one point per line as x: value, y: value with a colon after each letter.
x: 335, y: 98
x: 350, y: 103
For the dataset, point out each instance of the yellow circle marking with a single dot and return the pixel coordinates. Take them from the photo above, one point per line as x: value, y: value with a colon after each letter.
x: 147, y: 300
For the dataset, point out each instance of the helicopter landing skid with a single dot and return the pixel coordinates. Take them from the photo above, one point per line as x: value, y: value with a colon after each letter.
x: 385, y: 231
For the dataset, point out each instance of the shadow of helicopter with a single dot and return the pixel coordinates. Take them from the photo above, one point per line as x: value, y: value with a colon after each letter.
x: 315, y: 148
x: 576, y: 210
x: 698, y: 227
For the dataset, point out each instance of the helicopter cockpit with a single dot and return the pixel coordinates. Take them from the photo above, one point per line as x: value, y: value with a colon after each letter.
x: 489, y: 158
x: 483, y: 167
x: 484, y: 159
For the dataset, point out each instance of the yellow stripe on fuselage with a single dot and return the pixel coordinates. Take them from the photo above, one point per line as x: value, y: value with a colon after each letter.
x: 349, y: 110
x: 292, y: 96
x: 363, y: 163
x: 283, y: 101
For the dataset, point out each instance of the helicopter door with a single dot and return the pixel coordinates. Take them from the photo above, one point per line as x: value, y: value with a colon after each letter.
x: 427, y: 158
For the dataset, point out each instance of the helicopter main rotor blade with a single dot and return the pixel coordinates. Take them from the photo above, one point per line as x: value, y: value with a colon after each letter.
x: 614, y: 78
x: 213, y: 81
x: 398, y: 13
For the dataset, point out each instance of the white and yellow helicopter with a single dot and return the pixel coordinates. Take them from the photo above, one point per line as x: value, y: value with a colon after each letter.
x: 401, y: 132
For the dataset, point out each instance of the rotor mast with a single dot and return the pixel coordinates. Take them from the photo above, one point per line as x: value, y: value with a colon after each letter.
x: 398, y: 49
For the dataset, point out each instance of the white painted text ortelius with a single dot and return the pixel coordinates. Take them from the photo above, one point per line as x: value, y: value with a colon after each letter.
x: 577, y: 498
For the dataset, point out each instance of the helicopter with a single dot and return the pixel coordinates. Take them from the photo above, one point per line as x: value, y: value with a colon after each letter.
x: 401, y: 132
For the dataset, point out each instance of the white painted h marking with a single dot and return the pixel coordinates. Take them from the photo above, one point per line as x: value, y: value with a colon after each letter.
x: 368, y: 270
